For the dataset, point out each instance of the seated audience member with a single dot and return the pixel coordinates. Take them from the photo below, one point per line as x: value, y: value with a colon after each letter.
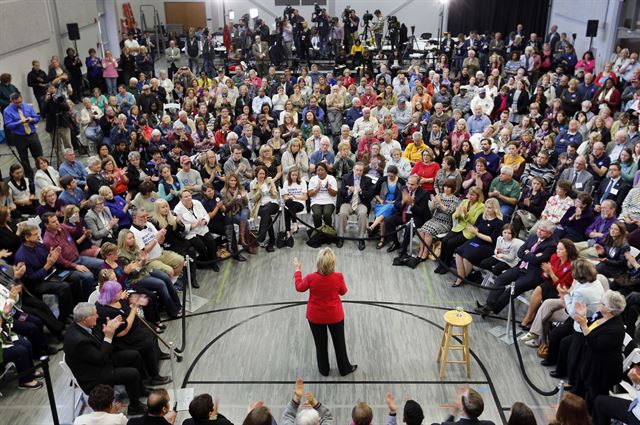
x: 586, y: 290
x: 506, y: 190
x: 38, y: 278
x: 536, y: 250
x: 361, y: 414
x: 118, y: 206
x: 49, y: 202
x: 557, y: 205
x: 240, y: 166
x: 479, y: 177
x: 316, y: 414
x: 139, y: 272
x: 505, y: 254
x: 386, y: 194
x: 95, y: 178
x: 100, y: 221
x: 204, y: 412
x: 540, y: 167
x: 294, y: 196
x: 17, y: 349
x: 485, y: 231
x: 402, y: 164
x: 295, y: 156
x: 146, y: 197
x: 575, y: 221
x: 442, y: 208
x: 323, y: 191
x: 492, y: 160
x: 71, y: 194
x: 611, y: 252
x: 105, y: 410
x: 236, y: 204
x: 606, y: 407
x: 149, y: 240
x: 557, y: 272
x: 468, y: 408
x: 354, y: 197
x: 598, y: 230
x: 83, y: 268
x: 46, y: 176
x: 612, y: 188
x: 195, y: 219
x: 159, y: 411
x: 90, y: 355
x: 412, y: 205
x: 322, y: 156
x: 22, y: 191
x: 412, y: 413
x: 579, y: 177
x: 131, y: 334
x: 572, y: 410
x: 426, y: 170
x: 413, y: 151
x: 530, y: 205
x: 75, y: 169
x: 265, y: 198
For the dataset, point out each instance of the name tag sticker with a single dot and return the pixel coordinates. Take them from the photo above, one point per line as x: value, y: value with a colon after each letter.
x: 614, y: 191
x: 578, y: 185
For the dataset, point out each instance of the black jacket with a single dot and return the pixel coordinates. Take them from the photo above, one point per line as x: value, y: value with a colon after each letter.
x: 464, y: 421
x: 542, y: 254
x: 420, y: 209
x: 87, y: 357
x: 617, y: 193
x: 365, y: 184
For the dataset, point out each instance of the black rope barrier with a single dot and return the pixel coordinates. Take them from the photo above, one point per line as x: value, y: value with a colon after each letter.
x: 183, y: 323
x: 521, y: 363
x: 348, y: 238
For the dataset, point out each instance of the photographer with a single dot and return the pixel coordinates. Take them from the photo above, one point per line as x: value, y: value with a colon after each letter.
x: 296, y: 22
x: 351, y: 24
x: 73, y: 64
x: 378, y: 28
x: 287, y: 41
x: 322, y: 20
x: 56, y: 110
x: 394, y: 32
x: 337, y: 36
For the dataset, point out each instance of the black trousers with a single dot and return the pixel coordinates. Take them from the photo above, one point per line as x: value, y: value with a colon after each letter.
x: 126, y: 371
x: 391, y: 223
x: 146, y: 346
x: 205, y: 246
x: 321, y: 340
x: 557, y: 344
x: 631, y: 312
x: 21, y: 355
x: 24, y: 145
x: 63, y: 290
x: 30, y: 327
x: 525, y: 280
x: 290, y: 212
x: 494, y: 265
x: 266, y: 223
x: 321, y: 213
x: 449, y: 244
x: 37, y: 307
x: 606, y: 408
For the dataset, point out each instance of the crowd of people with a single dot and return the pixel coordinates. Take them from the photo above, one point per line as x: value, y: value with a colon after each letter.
x: 509, y: 156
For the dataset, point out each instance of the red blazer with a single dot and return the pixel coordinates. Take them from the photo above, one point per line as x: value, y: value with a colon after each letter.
x: 562, y: 270
x: 324, y: 305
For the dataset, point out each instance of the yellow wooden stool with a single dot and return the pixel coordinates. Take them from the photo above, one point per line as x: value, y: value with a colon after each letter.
x: 455, y: 319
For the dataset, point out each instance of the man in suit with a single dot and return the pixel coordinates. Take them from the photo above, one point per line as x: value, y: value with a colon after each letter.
x: 467, y: 409
x: 553, y: 37
x: 260, y: 51
x: 527, y: 274
x: 92, y: 360
x: 619, y: 142
x: 413, y: 204
x: 578, y: 176
x: 627, y: 411
x: 354, y: 197
x: 159, y: 410
x: 612, y: 188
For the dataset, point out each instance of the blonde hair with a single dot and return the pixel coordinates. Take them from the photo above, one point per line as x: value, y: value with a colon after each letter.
x: 496, y: 208
x: 105, y: 275
x: 163, y: 222
x: 326, y: 261
x: 44, y: 194
x: 68, y: 211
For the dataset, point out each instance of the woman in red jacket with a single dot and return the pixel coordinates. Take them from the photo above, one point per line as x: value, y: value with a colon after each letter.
x: 324, y: 309
x: 426, y: 170
x: 557, y: 272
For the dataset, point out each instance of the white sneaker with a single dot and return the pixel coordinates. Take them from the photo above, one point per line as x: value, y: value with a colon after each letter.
x: 532, y: 343
x: 528, y: 337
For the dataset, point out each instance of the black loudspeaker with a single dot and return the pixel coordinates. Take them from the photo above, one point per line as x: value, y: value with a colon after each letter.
x: 592, y: 28
x: 74, y: 31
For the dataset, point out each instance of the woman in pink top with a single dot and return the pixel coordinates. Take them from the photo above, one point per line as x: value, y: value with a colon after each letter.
x: 110, y: 72
x: 324, y: 309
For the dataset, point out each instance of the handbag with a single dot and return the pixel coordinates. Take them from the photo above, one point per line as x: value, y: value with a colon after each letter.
x: 543, y: 350
x: 94, y: 133
x: 251, y: 242
x: 436, y: 250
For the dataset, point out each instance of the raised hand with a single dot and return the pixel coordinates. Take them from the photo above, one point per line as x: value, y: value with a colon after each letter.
x: 297, y: 264
x: 298, y: 389
x: 391, y: 403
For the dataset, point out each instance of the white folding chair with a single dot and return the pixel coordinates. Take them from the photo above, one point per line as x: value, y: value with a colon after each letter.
x: 83, y: 398
x: 5, y: 372
x: 93, y: 298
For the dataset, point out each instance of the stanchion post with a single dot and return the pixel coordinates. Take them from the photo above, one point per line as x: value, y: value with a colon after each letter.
x: 560, y: 391
x: 44, y: 361
x: 172, y: 352
x: 410, y: 253
x: 188, y: 288
x: 508, y: 336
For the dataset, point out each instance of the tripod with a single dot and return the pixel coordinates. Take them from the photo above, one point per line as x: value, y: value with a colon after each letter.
x: 412, y: 44
x: 366, y: 34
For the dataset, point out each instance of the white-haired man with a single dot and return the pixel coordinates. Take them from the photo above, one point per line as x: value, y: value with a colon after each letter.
x: 364, y: 123
x: 316, y: 415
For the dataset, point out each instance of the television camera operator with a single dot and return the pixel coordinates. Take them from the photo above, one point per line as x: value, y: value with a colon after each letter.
x: 336, y: 36
x: 351, y: 23
x: 321, y: 19
x: 58, y: 121
x: 394, y: 32
x: 296, y: 22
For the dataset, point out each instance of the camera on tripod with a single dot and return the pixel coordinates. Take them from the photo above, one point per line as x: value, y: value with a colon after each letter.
x: 367, y: 17
x: 346, y: 13
x: 288, y: 11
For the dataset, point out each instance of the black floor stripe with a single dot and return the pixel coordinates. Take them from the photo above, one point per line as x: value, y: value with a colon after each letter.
x: 439, y: 382
x: 381, y: 304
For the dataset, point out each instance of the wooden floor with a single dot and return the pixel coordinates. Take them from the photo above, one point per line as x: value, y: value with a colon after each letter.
x: 251, y: 340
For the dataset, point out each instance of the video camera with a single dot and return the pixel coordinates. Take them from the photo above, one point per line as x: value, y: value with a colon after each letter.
x: 346, y: 13
x: 288, y: 11
x: 367, y: 17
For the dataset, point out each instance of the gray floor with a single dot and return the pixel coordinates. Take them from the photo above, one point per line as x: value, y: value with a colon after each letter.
x: 251, y: 340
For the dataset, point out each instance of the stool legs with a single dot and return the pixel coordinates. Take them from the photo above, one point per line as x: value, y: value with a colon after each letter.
x: 466, y: 351
x: 445, y: 349
x: 446, y: 345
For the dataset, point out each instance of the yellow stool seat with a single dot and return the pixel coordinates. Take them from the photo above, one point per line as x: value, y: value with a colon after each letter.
x: 455, y: 319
